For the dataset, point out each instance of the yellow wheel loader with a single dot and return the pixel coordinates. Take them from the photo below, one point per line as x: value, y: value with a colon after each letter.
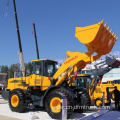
x: 45, y: 86
x: 94, y: 86
x: 97, y: 88
x: 111, y: 86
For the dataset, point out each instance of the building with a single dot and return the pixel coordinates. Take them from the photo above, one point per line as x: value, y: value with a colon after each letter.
x: 112, y: 75
x: 2, y: 79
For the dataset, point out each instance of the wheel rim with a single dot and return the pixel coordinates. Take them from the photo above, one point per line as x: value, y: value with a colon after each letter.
x: 98, y: 102
x: 55, y: 104
x: 14, y: 100
x: 113, y: 96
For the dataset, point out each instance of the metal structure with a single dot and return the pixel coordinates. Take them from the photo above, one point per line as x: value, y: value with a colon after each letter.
x: 36, y: 41
x: 19, y: 41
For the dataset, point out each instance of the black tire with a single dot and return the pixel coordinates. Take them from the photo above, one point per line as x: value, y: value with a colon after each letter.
x: 37, y: 106
x: 21, y: 106
x: 59, y: 93
x: 84, y: 104
x: 107, y: 104
x: 112, y: 96
x: 0, y: 90
x: 98, y: 99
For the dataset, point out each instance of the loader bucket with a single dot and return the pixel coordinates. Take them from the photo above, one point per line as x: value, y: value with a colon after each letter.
x: 97, y: 38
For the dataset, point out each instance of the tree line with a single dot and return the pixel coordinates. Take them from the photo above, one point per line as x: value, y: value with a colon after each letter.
x: 15, y: 68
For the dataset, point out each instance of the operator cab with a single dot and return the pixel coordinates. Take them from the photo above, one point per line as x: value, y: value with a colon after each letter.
x: 82, y: 80
x: 44, y: 67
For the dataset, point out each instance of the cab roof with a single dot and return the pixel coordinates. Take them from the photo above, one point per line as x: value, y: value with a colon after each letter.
x: 43, y: 60
x: 81, y: 75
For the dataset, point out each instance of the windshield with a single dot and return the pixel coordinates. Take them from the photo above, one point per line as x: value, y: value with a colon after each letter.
x: 82, y: 82
x: 49, y: 69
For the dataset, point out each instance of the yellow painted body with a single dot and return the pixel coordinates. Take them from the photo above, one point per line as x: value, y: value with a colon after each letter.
x: 98, y: 92
x: 99, y: 89
x: 32, y: 80
x: 102, y: 88
x: 42, y: 60
x: 97, y: 38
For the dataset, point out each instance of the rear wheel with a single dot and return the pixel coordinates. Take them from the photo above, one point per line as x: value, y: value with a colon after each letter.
x: 17, y: 101
x: 85, y: 103
x: 112, y: 96
x: 107, y: 104
x: 53, y: 103
x: 98, y: 102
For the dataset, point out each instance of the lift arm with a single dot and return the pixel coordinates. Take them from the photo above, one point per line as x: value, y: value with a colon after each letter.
x: 104, y: 67
x: 93, y: 37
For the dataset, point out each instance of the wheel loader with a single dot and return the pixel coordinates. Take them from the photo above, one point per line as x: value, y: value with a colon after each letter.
x: 45, y: 86
x: 94, y: 86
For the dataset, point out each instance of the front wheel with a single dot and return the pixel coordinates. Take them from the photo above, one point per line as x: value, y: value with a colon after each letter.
x: 17, y: 101
x: 53, y: 103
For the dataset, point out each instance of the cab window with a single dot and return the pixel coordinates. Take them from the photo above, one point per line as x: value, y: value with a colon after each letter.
x: 49, y: 69
x: 81, y: 82
x: 38, y: 68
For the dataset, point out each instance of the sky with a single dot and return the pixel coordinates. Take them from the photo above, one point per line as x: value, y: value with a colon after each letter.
x: 55, y: 22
